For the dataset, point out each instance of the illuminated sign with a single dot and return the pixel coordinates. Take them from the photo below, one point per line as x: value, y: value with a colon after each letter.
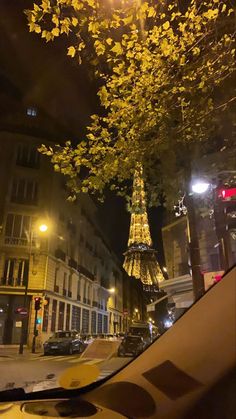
x: 227, y: 194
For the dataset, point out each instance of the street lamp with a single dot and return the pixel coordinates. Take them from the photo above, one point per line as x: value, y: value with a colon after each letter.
x: 200, y: 186
x: 112, y: 290
x: 42, y: 227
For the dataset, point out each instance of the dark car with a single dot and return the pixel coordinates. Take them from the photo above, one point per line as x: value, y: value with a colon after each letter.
x: 65, y: 342
x: 131, y: 345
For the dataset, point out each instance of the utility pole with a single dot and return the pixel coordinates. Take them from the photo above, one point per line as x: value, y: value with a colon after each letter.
x: 25, y: 320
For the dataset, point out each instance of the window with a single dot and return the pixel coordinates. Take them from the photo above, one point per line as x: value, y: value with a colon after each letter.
x: 68, y: 317
x: 93, y: 322
x: 99, y: 323
x: 85, y: 321
x: 78, y: 291
x: 23, y: 272
x: 64, y: 291
x: 105, y: 324
x: 70, y: 286
x: 76, y: 317
x: 60, y: 254
x: 24, y: 191
x: 54, y: 313
x: 27, y: 156
x: 15, y: 272
x: 61, y: 314
x: 45, y: 316
x: 31, y: 112
x: 56, y: 286
x: 8, y: 275
x: 16, y: 229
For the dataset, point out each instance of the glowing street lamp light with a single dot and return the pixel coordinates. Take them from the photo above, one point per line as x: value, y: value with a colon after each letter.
x: 43, y: 228
x: 200, y: 186
x: 112, y: 290
x: 136, y: 310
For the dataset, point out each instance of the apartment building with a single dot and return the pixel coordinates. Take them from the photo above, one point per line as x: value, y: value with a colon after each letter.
x: 69, y: 263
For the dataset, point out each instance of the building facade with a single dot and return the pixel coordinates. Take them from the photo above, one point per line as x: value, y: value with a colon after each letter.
x: 175, y: 242
x: 70, y: 265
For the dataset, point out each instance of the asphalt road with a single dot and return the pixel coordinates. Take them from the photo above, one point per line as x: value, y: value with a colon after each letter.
x: 38, y: 372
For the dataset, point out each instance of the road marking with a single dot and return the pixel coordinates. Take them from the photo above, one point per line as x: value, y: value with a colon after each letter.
x: 63, y: 358
x: 50, y: 358
x: 94, y: 361
x: 74, y: 360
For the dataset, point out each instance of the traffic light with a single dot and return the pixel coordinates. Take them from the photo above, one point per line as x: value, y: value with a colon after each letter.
x: 227, y: 208
x: 37, y: 303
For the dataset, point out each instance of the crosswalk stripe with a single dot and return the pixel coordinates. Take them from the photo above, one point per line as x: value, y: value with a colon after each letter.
x: 78, y: 360
x: 50, y: 358
x: 46, y: 358
x: 94, y: 361
x: 63, y: 358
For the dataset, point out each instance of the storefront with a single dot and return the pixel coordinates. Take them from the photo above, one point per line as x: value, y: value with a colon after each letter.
x: 10, y: 321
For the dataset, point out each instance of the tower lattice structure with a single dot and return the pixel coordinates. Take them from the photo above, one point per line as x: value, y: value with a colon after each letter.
x: 140, y: 258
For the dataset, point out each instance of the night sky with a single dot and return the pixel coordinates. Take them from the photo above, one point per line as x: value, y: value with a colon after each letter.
x: 41, y: 75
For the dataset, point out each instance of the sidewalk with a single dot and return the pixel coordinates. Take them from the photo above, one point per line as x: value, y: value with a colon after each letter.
x: 12, y: 351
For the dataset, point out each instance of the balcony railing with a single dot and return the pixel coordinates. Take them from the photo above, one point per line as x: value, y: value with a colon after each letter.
x: 73, y: 264
x: 17, y: 241
x: 60, y: 254
x: 85, y: 272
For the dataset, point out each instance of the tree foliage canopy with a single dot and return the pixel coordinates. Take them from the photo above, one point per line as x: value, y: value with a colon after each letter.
x: 163, y: 69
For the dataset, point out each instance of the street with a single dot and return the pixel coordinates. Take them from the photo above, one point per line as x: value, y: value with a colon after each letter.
x: 35, y: 372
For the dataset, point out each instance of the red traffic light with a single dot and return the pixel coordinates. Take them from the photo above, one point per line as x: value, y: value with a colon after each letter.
x: 37, y: 303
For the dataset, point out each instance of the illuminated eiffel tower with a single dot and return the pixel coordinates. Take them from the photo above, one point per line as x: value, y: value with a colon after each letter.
x: 140, y: 258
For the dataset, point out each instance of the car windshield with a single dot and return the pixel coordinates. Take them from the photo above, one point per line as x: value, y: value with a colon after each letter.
x: 134, y: 339
x: 63, y: 335
x: 118, y: 178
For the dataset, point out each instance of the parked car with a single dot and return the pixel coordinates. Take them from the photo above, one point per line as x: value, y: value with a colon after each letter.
x: 63, y: 342
x: 87, y: 339
x: 131, y: 345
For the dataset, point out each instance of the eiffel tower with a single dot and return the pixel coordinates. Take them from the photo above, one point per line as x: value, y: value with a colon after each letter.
x: 140, y: 258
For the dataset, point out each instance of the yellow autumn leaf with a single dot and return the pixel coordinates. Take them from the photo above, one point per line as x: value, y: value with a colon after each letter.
x: 151, y: 12
x: 223, y: 8
x: 55, y: 32
x: 109, y: 41
x: 230, y: 11
x: 166, y: 25
x: 127, y: 20
x: 74, y: 21
x: 71, y: 51
x: 117, y: 49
